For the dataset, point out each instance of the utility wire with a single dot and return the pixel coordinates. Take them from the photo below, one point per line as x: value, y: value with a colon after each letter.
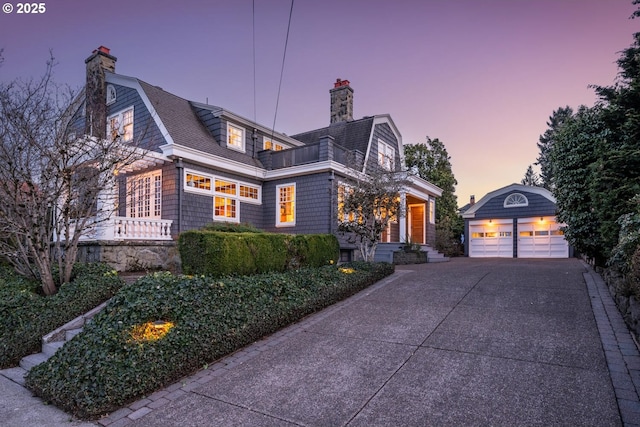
x: 255, y: 118
x: 284, y: 55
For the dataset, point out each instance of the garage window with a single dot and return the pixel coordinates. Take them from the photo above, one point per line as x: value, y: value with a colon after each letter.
x: 516, y: 200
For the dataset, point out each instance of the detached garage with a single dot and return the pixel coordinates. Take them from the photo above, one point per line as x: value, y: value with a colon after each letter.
x: 514, y: 221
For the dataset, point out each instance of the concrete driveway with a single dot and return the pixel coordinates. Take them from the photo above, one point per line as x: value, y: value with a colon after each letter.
x: 469, y: 342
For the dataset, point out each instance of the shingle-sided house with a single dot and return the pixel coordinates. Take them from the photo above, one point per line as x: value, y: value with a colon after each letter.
x: 516, y: 221
x: 206, y: 164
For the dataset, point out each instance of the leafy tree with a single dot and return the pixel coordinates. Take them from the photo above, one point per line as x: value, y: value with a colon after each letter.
x: 530, y: 178
x: 55, y: 183
x: 595, y: 159
x: 545, y: 144
x: 431, y: 161
x: 368, y: 204
x: 629, y: 240
x: 617, y: 180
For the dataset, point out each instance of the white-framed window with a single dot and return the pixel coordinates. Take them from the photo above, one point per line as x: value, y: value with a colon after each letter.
x: 203, y: 183
x: 268, y: 144
x: 343, y: 214
x: 225, y: 205
x: 286, y: 205
x: 197, y: 182
x: 235, y: 137
x: 226, y: 193
x: 515, y: 200
x: 386, y: 155
x: 249, y: 192
x: 120, y: 125
x: 225, y: 209
x: 111, y: 94
x: 144, y: 195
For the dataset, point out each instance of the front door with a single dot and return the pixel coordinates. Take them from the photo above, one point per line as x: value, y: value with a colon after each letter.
x: 416, y: 223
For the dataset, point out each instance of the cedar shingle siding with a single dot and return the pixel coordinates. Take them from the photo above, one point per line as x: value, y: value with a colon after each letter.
x: 183, y: 136
x: 538, y: 206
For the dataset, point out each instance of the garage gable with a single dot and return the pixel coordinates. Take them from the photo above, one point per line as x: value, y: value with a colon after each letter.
x: 514, y: 201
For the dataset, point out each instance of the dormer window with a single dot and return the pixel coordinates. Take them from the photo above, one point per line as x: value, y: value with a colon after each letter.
x: 515, y: 200
x: 111, y: 94
x: 386, y: 155
x: 120, y: 125
x: 235, y: 137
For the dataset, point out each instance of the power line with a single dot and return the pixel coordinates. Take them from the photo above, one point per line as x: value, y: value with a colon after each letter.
x: 255, y: 118
x: 284, y: 55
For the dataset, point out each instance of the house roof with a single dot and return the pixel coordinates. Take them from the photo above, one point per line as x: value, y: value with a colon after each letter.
x: 182, y: 123
x: 470, y: 213
x: 352, y: 135
x: 229, y: 115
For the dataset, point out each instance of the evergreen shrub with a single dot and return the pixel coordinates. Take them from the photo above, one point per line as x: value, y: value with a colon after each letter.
x: 26, y: 315
x: 221, y: 253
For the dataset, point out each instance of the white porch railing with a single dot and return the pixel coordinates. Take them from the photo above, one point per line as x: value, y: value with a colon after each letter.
x: 141, y: 228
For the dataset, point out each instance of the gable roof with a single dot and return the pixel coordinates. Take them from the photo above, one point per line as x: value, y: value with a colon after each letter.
x: 470, y: 213
x: 185, y: 127
x: 177, y: 121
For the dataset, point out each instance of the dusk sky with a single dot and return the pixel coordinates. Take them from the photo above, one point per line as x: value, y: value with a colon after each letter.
x: 483, y: 76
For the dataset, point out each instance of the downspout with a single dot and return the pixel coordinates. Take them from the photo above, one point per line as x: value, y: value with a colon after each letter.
x: 180, y: 167
x: 331, y: 204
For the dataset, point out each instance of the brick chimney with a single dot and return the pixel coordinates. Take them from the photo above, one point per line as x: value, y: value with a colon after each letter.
x: 341, y: 102
x: 472, y: 200
x: 96, y: 91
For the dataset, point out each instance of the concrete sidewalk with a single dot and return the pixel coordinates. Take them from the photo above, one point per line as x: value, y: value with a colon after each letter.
x: 469, y: 342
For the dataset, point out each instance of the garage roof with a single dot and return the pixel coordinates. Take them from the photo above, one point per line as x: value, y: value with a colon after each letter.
x: 471, y: 212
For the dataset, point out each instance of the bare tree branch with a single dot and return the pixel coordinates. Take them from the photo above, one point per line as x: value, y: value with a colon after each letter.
x: 56, y: 184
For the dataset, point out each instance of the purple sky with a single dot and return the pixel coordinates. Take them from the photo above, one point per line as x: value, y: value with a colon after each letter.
x: 483, y: 76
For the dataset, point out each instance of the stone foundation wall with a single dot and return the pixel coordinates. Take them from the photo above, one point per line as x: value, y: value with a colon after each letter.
x: 628, y: 305
x: 402, y: 257
x: 132, y: 255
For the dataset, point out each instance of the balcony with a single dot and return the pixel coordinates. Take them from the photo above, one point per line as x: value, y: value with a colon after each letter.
x: 122, y: 228
x: 324, y: 150
x: 141, y: 229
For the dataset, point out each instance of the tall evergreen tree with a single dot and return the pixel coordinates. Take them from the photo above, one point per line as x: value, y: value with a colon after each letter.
x: 574, y: 152
x: 545, y: 144
x: 530, y: 178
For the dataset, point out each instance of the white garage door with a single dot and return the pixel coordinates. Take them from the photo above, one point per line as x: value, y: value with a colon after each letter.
x: 541, y: 239
x: 491, y: 239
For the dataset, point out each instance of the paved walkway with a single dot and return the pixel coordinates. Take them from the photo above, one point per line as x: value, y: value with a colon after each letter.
x: 469, y: 342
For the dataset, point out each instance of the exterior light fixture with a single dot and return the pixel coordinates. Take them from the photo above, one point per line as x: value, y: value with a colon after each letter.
x: 151, y: 331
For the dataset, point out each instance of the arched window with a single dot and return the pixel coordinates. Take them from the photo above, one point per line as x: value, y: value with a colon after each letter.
x: 515, y: 200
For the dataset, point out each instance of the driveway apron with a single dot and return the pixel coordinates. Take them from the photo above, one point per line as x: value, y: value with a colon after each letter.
x: 468, y: 342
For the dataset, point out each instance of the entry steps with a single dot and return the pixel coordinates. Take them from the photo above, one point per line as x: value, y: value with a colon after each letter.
x: 384, y: 252
x: 56, y: 339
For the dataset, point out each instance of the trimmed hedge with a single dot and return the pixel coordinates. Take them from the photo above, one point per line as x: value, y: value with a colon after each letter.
x: 222, y: 254
x: 104, y: 367
x: 26, y: 315
x: 231, y: 227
